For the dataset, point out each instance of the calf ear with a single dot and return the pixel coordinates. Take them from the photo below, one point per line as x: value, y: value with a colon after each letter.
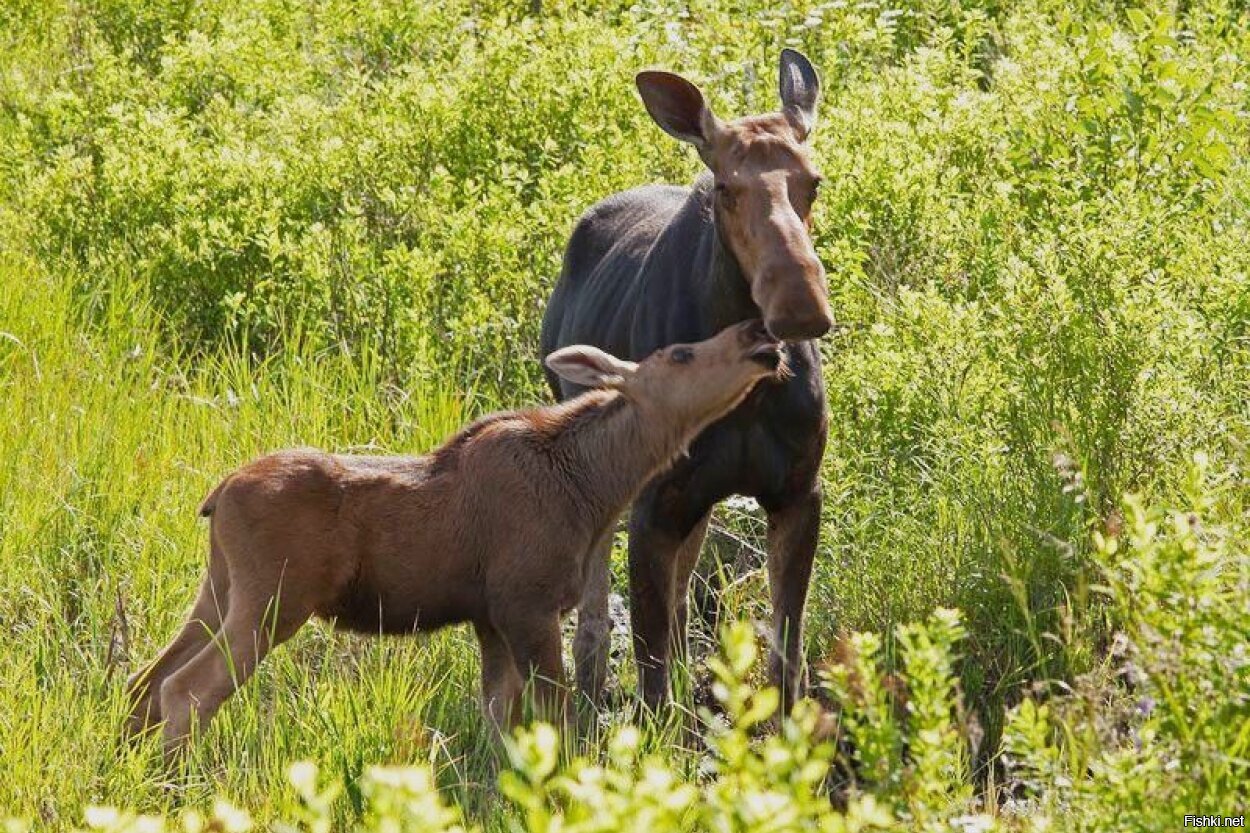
x: 679, y: 108
x: 800, y: 89
x: 590, y: 367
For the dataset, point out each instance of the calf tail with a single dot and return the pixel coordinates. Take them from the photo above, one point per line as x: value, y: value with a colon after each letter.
x: 210, y: 502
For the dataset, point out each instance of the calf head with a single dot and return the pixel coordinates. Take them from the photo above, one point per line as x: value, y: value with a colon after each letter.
x: 688, y: 385
x: 765, y: 184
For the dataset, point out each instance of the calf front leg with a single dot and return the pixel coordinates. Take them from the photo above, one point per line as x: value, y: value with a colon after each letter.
x: 793, y: 531
x: 687, y: 560
x: 537, y: 650
x: 501, y: 682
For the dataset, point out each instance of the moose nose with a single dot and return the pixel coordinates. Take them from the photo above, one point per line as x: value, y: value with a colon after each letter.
x: 801, y: 325
x: 792, y: 297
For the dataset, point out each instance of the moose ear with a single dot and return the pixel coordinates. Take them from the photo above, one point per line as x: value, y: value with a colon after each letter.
x: 800, y: 89
x: 590, y: 367
x: 679, y: 108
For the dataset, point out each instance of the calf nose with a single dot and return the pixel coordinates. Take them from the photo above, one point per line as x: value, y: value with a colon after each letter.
x: 754, y: 331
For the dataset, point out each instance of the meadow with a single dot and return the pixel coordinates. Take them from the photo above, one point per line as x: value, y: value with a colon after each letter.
x: 231, y: 226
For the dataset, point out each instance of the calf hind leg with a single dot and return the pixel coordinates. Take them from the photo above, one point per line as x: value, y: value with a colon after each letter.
x: 251, y: 629
x: 143, y: 687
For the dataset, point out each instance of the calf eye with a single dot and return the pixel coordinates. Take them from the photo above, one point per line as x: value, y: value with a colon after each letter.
x: 682, y: 355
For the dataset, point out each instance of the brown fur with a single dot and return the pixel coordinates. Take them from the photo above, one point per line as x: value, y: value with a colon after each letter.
x: 766, y: 185
x: 653, y: 264
x: 492, y: 529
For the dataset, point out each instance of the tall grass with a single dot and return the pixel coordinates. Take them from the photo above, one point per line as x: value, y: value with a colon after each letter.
x: 109, y: 443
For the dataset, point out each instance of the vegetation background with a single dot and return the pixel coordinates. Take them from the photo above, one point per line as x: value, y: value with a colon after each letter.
x: 228, y: 226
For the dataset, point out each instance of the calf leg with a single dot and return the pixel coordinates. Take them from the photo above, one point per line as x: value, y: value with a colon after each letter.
x: 143, y: 687
x: 537, y: 649
x: 501, y: 683
x: 251, y: 629
x: 594, y: 625
x: 793, y: 530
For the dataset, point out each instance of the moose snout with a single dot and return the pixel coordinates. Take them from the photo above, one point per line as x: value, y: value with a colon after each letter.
x: 801, y: 322
x: 794, y: 302
x: 801, y: 328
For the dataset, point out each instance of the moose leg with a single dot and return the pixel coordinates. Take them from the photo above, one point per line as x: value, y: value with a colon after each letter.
x: 501, y: 684
x: 252, y: 628
x: 143, y: 687
x: 687, y: 560
x: 537, y: 649
x: 594, y: 625
x: 656, y: 545
x: 793, y: 530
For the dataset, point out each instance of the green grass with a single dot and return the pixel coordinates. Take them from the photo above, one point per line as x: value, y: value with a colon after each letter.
x: 229, y: 227
x: 110, y: 444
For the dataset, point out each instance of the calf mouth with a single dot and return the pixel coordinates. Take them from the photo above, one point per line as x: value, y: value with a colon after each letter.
x: 767, y: 354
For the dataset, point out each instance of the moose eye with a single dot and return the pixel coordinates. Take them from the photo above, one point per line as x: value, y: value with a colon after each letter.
x: 816, y: 183
x: 724, y: 194
x: 682, y: 355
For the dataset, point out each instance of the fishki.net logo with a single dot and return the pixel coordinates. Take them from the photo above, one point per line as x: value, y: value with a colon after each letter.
x: 1215, y: 821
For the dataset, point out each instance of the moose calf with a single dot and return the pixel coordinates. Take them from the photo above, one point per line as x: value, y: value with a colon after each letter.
x: 495, y: 528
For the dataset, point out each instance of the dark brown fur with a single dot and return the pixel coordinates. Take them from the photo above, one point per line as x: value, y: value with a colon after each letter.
x: 660, y: 264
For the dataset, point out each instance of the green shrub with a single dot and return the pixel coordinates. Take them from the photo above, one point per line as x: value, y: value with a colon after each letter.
x: 1084, y: 760
x: 1160, y: 731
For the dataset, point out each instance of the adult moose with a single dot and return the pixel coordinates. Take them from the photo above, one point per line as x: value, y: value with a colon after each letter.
x: 661, y: 264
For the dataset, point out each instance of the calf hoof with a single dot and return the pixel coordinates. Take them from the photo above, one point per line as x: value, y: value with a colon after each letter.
x: 178, y: 709
x: 173, y: 747
x: 145, y: 711
x: 143, y: 717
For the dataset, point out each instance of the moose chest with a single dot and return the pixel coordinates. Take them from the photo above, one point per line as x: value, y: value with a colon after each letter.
x: 769, y: 448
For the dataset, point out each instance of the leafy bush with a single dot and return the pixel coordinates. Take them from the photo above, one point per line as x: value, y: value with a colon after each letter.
x: 1081, y: 760
x: 1160, y: 731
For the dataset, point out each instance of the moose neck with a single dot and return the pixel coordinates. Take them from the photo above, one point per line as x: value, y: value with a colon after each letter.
x: 725, y: 291
x: 618, y: 446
